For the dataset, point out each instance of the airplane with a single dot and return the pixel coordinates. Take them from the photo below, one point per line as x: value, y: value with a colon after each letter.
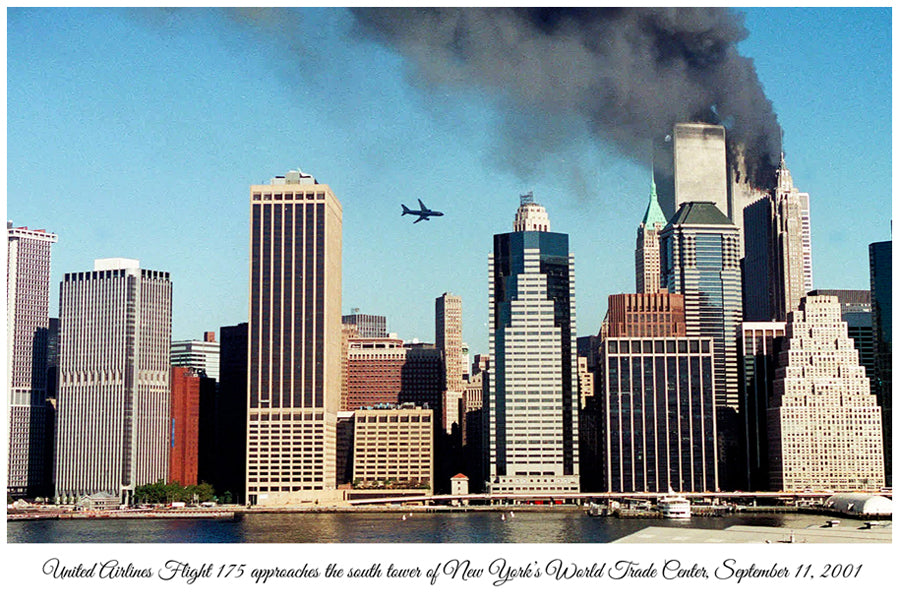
x: 423, y: 214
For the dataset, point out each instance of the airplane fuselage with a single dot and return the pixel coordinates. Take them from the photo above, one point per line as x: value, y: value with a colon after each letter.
x: 423, y: 213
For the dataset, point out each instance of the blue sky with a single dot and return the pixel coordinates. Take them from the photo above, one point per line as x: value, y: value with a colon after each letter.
x: 137, y: 133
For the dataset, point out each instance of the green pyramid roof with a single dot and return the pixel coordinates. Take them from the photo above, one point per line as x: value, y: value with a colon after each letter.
x: 654, y: 213
x: 700, y: 213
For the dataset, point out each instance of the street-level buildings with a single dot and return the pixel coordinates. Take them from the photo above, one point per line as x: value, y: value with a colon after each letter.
x: 532, y: 398
x: 824, y: 425
x: 27, y: 327
x: 393, y: 448
x: 113, y: 408
x: 294, y: 364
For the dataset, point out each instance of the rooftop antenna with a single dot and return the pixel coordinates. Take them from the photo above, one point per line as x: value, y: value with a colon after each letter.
x: 526, y: 198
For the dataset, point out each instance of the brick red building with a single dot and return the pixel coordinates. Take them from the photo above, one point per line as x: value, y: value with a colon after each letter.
x: 385, y: 372
x: 185, y: 426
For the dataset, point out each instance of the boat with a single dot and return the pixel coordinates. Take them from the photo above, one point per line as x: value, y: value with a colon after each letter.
x: 595, y: 510
x: 673, y: 506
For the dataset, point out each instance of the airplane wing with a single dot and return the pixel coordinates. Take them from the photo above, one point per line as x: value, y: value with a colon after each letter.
x: 421, y: 218
x: 422, y: 206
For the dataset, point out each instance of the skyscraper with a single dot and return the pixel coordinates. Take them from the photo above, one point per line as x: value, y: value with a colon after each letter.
x: 27, y: 324
x: 806, y: 241
x: 448, y: 339
x: 760, y: 343
x: 231, y: 414
x: 880, y: 263
x: 778, y: 250
x: 184, y: 452
x: 690, y: 165
x: 824, y: 426
x: 702, y: 261
x: 294, y: 365
x: 639, y: 315
x: 646, y: 252
x: 658, y: 421
x: 532, y: 410
x: 755, y: 266
x: 113, y: 409
x: 374, y: 372
x: 788, y: 271
x: 856, y: 310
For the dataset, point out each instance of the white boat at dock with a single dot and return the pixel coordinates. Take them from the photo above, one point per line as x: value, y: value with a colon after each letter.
x: 673, y: 506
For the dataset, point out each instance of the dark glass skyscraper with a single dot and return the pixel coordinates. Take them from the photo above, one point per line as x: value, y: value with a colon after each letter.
x: 701, y: 260
x: 231, y: 413
x: 760, y: 343
x: 532, y: 414
x: 880, y: 280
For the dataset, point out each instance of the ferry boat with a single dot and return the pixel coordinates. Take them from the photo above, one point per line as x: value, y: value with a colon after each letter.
x: 673, y: 506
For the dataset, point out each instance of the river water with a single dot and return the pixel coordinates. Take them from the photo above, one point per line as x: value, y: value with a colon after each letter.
x: 420, y: 527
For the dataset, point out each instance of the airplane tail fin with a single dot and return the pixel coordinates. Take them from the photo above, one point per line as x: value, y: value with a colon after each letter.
x: 405, y: 210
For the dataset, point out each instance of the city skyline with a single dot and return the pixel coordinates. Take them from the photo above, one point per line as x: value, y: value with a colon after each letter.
x: 169, y: 158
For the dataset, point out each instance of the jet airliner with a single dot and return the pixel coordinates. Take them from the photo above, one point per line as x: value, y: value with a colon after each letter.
x: 423, y: 213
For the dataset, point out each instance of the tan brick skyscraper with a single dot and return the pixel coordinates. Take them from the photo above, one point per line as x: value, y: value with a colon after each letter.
x: 294, y: 362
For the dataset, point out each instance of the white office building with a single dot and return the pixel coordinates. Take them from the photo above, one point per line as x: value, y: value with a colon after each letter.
x: 113, y: 406
x: 824, y: 425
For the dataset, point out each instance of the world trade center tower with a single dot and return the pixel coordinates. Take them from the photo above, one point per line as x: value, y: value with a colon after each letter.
x: 294, y: 360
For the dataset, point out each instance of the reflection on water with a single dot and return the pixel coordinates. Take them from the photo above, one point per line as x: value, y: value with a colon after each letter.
x: 544, y: 527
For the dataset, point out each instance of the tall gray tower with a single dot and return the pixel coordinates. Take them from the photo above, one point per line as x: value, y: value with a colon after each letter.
x: 690, y: 165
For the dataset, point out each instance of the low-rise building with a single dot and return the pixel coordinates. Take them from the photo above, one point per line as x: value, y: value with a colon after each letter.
x: 393, y: 448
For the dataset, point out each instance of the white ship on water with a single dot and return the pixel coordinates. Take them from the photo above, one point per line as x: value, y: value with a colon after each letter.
x: 673, y: 506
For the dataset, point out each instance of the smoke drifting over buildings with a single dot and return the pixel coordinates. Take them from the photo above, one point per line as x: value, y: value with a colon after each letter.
x: 628, y: 73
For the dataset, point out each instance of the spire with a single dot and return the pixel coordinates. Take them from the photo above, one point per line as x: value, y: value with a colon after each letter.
x: 530, y: 216
x: 654, y: 213
x: 783, y: 176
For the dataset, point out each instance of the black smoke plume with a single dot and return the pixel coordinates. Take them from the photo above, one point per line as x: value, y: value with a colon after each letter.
x: 628, y: 73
